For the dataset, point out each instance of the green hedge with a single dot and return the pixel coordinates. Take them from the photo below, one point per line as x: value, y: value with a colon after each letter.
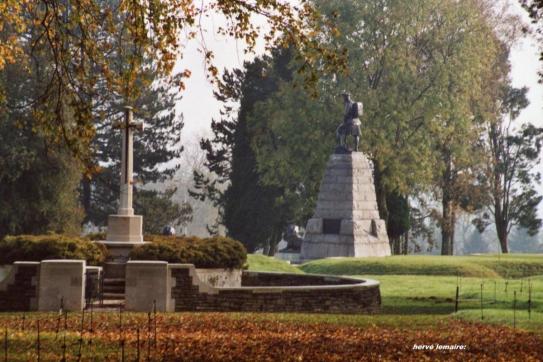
x: 212, y: 252
x: 53, y: 246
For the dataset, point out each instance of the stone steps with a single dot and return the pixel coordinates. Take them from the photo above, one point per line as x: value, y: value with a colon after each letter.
x: 113, y: 296
x: 113, y: 286
x: 107, y: 305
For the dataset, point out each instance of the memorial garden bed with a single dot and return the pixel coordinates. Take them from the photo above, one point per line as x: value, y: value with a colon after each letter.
x: 50, y: 246
x: 212, y: 252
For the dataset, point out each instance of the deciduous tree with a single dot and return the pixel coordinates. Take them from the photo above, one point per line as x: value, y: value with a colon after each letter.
x: 513, y: 151
x: 418, y: 68
x: 80, y: 37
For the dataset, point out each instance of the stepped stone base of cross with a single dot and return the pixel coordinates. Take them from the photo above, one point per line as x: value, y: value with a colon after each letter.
x: 124, y: 232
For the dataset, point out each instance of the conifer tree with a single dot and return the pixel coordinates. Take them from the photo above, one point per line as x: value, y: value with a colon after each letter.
x: 156, y: 150
x: 248, y: 209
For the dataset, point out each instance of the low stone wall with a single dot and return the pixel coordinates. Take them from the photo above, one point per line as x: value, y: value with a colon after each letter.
x: 262, y: 279
x: 19, y: 290
x: 178, y: 287
x: 220, y: 278
x: 275, y: 292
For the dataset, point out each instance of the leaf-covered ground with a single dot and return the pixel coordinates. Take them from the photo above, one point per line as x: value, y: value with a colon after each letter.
x: 229, y: 337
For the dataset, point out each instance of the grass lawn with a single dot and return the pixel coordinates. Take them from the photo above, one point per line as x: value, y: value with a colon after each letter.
x: 418, y: 301
x: 432, y: 296
x: 264, y: 263
x: 506, y: 266
x: 419, y: 291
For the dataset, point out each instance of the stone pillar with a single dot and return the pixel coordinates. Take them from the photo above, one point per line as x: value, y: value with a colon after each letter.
x: 148, y: 282
x: 127, y: 164
x: 62, y: 280
x: 125, y: 226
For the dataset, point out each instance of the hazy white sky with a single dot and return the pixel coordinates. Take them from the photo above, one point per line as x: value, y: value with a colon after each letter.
x: 199, y: 106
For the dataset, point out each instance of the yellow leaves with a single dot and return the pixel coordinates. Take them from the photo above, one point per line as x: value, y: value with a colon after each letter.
x: 12, y: 22
x: 90, y: 43
x: 213, y: 70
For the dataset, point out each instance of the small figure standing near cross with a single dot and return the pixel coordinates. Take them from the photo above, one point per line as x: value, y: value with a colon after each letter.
x: 127, y: 160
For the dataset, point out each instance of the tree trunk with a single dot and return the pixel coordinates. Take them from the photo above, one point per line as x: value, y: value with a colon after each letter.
x: 266, y: 248
x: 452, y: 224
x: 405, y: 243
x: 448, y: 218
x: 499, y: 213
x: 380, y: 192
x: 272, y: 242
x: 396, y: 245
x: 446, y: 227
x: 501, y: 229
x: 86, y: 196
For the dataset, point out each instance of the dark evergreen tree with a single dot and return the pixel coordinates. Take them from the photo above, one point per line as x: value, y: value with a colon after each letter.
x: 38, y: 179
x: 156, y: 207
x: 156, y: 150
x: 248, y: 209
x: 398, y: 222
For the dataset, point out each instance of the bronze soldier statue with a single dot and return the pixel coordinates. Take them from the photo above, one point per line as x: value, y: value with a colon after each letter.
x: 351, y: 123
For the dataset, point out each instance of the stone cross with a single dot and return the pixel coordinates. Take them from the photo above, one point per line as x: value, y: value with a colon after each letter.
x: 127, y: 160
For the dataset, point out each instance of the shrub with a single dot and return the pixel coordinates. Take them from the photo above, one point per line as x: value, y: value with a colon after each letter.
x: 212, y: 252
x: 53, y: 246
x: 96, y: 236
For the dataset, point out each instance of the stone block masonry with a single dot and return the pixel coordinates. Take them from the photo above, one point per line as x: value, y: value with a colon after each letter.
x: 62, y: 280
x: 275, y: 292
x: 40, y: 286
x: 347, y: 199
x: 148, y: 285
x: 178, y: 287
x: 19, y: 291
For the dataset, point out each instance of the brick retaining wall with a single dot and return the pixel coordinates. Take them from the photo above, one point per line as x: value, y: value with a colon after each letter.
x: 19, y: 291
x: 261, y: 279
x: 311, y: 294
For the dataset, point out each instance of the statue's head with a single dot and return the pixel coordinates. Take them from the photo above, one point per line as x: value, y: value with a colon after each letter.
x: 346, y: 96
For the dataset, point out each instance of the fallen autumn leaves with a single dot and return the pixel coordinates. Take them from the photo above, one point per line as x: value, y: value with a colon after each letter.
x: 222, y: 337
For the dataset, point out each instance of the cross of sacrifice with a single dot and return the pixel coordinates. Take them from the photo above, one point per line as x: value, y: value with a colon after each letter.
x: 127, y: 160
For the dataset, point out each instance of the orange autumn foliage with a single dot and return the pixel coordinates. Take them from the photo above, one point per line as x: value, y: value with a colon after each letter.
x: 223, y: 337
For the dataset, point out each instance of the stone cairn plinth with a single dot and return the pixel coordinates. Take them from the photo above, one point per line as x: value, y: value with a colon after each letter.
x: 346, y: 220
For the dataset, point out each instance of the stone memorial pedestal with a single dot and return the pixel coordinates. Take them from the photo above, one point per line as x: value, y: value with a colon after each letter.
x: 124, y: 232
x: 346, y: 220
